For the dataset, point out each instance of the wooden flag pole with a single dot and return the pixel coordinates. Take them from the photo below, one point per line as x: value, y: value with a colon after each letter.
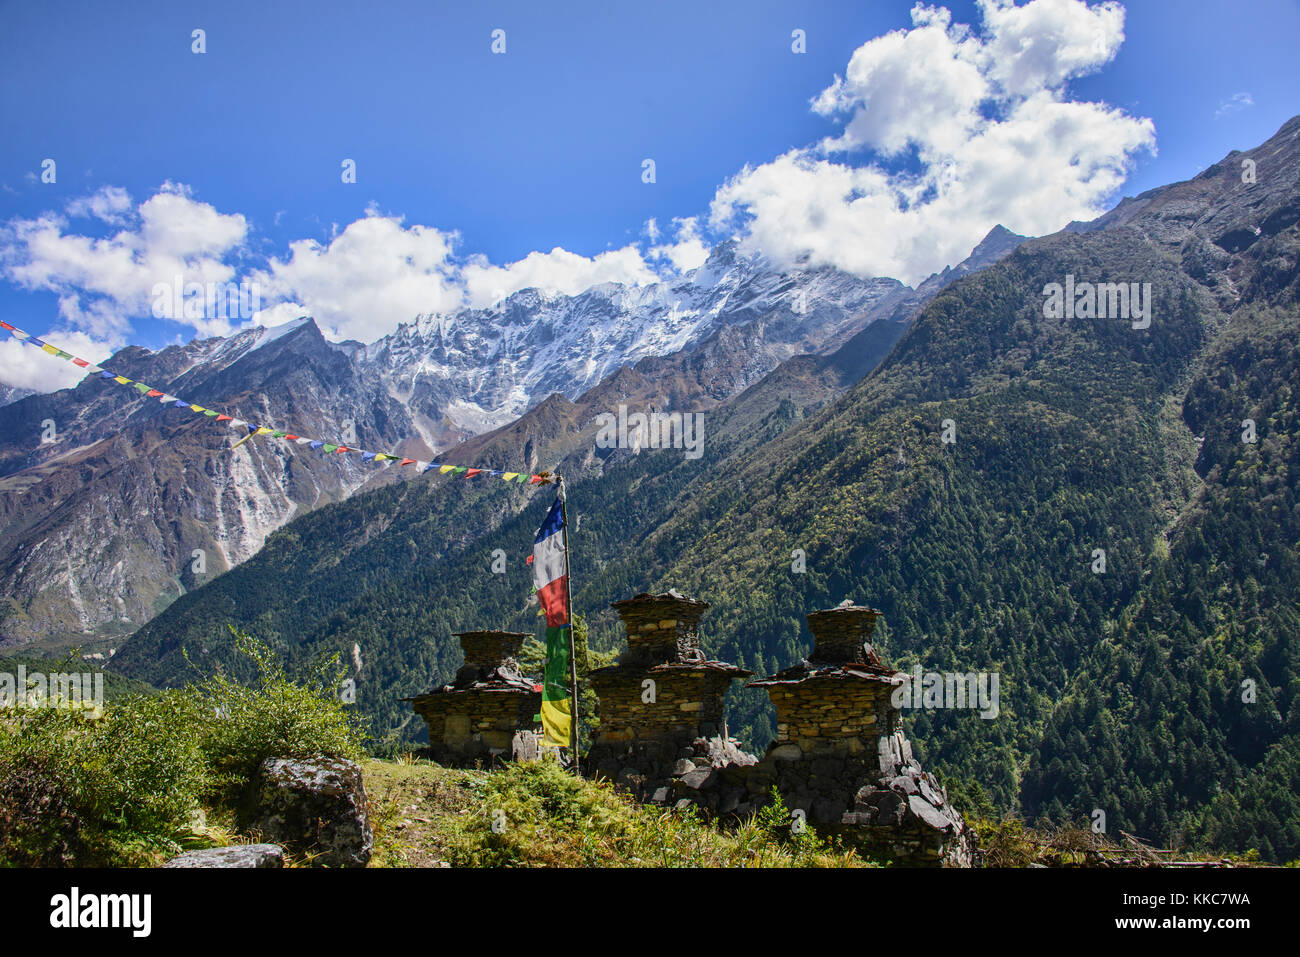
x: 573, y: 657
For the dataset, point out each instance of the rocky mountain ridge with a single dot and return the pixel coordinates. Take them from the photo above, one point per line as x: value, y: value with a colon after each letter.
x: 130, y: 504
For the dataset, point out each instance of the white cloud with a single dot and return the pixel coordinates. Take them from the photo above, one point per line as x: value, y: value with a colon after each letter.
x: 28, y: 367
x: 174, y: 226
x: 556, y: 272
x: 368, y: 278
x: 377, y: 273
x: 687, y: 251
x: 103, y: 282
x: 1234, y: 104
x: 921, y: 85
x: 109, y: 204
x: 1041, y: 45
x: 994, y: 136
x: 279, y: 314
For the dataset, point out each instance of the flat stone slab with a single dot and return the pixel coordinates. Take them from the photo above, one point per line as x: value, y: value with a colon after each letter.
x: 240, y: 855
x: 932, y: 816
x: 700, y: 779
x: 931, y: 793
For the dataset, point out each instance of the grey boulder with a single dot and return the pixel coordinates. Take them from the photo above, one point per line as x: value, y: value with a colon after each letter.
x: 315, y: 807
x: 240, y: 855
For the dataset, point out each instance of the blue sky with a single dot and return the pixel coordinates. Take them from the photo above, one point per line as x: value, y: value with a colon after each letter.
x: 466, y: 158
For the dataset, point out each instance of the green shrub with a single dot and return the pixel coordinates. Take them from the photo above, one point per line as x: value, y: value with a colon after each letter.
x: 40, y: 783
x: 277, y: 717
x: 74, y: 790
x: 124, y: 787
x: 780, y: 825
x: 146, y: 763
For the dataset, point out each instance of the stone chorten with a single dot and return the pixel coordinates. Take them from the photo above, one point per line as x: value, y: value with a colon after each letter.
x: 478, y: 715
x: 840, y: 753
x: 650, y: 734
x: 836, y: 701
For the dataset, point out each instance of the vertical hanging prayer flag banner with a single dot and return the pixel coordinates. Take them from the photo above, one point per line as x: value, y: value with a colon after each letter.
x: 551, y: 578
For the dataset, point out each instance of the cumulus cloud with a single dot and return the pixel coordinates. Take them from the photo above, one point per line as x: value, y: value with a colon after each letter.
x: 279, y: 314
x: 109, y: 204
x: 27, y: 367
x: 557, y: 272
x: 922, y: 85
x: 687, y: 250
x: 377, y: 273
x: 985, y: 123
x: 103, y: 282
x: 368, y: 278
x: 1041, y: 45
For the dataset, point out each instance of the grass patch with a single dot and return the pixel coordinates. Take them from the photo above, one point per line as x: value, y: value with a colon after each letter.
x: 537, y: 815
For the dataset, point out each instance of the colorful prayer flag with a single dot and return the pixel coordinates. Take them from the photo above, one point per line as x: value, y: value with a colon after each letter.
x: 551, y: 578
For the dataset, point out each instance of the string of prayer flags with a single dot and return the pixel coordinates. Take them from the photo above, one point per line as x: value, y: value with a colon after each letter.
x: 254, y: 430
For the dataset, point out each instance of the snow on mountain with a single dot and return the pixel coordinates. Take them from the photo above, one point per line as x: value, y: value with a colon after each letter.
x: 478, y: 369
x: 98, y: 530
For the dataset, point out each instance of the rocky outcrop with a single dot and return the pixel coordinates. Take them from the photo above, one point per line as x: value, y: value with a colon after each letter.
x: 905, y: 815
x: 708, y: 774
x: 315, y: 807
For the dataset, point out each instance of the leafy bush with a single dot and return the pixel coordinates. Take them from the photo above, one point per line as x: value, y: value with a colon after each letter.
x: 242, y: 726
x: 124, y: 787
x: 40, y: 819
x: 147, y: 767
x: 80, y: 791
